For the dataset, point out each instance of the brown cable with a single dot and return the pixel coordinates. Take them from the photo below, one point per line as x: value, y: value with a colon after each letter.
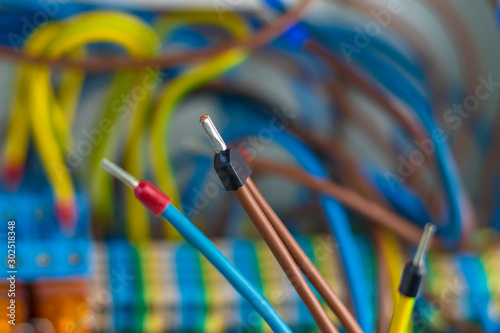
x: 305, y: 264
x: 285, y: 259
x: 413, y: 128
x: 437, y: 79
x: 385, y: 302
x: 260, y: 38
x: 374, y: 212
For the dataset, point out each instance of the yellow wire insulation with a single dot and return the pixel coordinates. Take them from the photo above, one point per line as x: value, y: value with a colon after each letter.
x: 16, y: 144
x: 402, y: 314
x: 179, y: 87
x: 127, y: 31
x: 395, y: 264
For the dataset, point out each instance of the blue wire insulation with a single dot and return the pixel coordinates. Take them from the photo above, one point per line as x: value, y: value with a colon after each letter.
x: 401, y: 197
x: 345, y: 33
x: 446, y: 164
x: 401, y: 88
x: 196, y: 238
x: 479, y: 295
x: 336, y: 216
x: 399, y: 85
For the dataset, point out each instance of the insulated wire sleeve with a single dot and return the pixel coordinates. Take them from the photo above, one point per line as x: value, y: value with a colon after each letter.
x: 196, y: 238
x: 262, y: 37
x: 402, y: 314
x: 305, y: 264
x: 180, y: 87
x: 285, y: 259
x: 375, y: 213
x: 98, y: 26
x: 17, y: 140
x: 335, y: 214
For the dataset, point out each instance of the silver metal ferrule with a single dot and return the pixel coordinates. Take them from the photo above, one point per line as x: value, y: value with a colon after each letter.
x: 212, y: 134
x: 424, y: 244
x: 120, y: 174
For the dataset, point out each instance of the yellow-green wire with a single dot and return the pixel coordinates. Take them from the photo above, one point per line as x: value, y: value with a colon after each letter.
x: 119, y: 28
x: 178, y: 88
x: 402, y: 314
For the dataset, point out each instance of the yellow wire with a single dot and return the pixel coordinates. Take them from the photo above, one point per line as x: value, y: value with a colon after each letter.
x: 137, y: 226
x: 395, y: 262
x: 115, y: 111
x: 179, y: 88
x: 402, y: 314
x: 16, y: 144
x: 395, y: 265
x: 121, y: 29
x: 70, y: 89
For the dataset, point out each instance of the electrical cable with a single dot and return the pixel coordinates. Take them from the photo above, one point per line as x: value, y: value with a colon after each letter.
x: 262, y: 37
x: 335, y: 214
x: 453, y: 188
x: 452, y: 185
x: 284, y: 258
x: 159, y: 203
x: 384, y: 301
x: 118, y: 28
x: 402, y: 314
x: 413, y: 274
x: 414, y: 129
x: 180, y: 86
x: 234, y: 174
x: 17, y: 140
x: 305, y: 264
x: 372, y: 211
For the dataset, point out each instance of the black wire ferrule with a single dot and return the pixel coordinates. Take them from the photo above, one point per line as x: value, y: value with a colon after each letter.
x: 232, y: 168
x: 411, y: 279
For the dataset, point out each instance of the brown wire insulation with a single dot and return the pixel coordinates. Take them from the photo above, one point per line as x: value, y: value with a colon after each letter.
x: 412, y: 127
x: 285, y: 259
x: 437, y: 79
x: 260, y: 38
x: 305, y: 264
x: 385, y: 303
x: 375, y: 213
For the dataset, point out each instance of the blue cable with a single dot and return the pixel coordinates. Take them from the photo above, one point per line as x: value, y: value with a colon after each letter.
x: 394, y: 81
x: 196, y: 238
x: 446, y: 164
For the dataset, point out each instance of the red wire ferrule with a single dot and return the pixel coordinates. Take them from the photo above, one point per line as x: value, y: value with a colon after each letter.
x: 151, y: 197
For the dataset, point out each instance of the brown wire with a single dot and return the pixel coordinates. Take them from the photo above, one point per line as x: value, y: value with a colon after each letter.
x: 385, y: 303
x: 285, y: 259
x: 374, y: 212
x: 413, y: 128
x: 260, y: 38
x: 305, y: 264
x: 437, y: 78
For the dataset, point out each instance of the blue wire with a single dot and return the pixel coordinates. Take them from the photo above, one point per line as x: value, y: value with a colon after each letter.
x: 196, y: 238
x: 335, y: 214
x: 446, y: 164
x: 397, y: 83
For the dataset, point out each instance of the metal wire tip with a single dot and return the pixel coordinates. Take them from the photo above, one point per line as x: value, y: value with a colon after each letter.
x: 212, y: 134
x: 120, y: 174
x: 424, y: 244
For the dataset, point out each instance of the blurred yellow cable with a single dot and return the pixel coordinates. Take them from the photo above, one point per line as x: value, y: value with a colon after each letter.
x: 395, y: 265
x: 402, y: 314
x: 16, y: 144
x: 70, y: 89
x: 18, y: 136
x: 180, y: 86
x: 122, y: 29
x: 395, y: 262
